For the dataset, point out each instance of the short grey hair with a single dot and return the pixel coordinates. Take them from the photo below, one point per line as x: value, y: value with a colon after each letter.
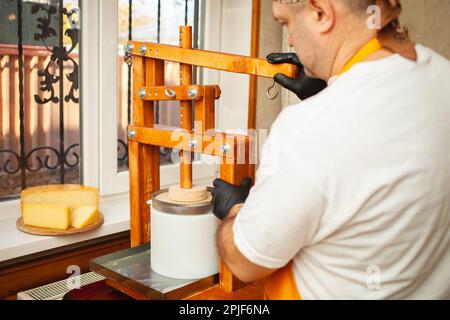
x: 359, y: 5
x: 289, y: 1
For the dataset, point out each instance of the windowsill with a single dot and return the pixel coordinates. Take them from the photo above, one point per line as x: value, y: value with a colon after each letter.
x: 15, y: 244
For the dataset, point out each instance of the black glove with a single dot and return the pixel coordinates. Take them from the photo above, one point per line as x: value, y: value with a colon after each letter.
x: 304, y: 87
x: 226, y: 196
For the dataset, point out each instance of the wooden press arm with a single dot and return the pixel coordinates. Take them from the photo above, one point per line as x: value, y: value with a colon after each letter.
x: 212, y: 60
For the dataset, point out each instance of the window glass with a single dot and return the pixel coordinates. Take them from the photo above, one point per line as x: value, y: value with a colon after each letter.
x: 153, y: 21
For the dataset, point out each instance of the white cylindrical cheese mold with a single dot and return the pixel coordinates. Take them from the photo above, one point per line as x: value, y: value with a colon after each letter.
x: 183, y: 239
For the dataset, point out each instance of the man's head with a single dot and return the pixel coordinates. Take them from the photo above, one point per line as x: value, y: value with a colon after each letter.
x: 320, y: 29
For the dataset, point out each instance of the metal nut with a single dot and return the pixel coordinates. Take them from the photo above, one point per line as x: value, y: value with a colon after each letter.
x: 143, y: 50
x: 142, y: 93
x: 192, y: 93
x: 170, y: 93
x: 131, y: 134
x: 225, y: 148
x: 130, y: 47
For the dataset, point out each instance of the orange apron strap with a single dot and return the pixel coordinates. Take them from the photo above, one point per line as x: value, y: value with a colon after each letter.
x: 281, y: 285
x: 371, y: 47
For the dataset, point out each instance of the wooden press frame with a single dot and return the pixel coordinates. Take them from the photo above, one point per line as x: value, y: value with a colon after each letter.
x: 146, y: 137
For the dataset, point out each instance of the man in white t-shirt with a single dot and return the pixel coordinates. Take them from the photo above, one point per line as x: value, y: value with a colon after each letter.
x: 352, y: 194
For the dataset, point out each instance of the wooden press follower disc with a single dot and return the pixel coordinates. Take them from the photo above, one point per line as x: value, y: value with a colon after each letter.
x: 195, y: 194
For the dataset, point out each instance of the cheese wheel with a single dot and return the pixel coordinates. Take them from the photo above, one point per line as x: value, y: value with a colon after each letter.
x: 55, y: 206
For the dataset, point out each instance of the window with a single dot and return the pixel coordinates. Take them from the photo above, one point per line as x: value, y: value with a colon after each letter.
x: 73, y: 137
x: 39, y: 96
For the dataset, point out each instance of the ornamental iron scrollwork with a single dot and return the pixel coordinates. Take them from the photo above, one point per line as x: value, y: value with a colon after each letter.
x: 59, y: 53
x: 52, y: 160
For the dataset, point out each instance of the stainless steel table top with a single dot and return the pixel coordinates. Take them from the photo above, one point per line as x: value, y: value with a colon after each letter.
x: 131, y: 269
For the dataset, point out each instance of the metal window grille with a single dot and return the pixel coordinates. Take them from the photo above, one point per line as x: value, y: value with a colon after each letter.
x: 43, y: 71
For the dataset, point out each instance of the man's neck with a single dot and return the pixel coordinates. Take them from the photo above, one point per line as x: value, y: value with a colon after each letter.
x: 350, y: 47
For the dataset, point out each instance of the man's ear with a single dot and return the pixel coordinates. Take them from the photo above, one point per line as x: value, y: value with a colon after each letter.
x: 323, y: 12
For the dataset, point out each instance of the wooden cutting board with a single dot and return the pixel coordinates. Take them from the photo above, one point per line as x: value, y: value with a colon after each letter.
x: 55, y: 232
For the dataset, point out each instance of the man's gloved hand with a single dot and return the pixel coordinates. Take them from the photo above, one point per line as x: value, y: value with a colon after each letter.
x: 226, y: 196
x: 304, y: 87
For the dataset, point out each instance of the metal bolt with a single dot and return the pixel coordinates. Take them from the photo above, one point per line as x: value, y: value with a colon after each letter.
x: 225, y: 148
x: 192, y: 93
x: 142, y: 93
x: 143, y: 50
x: 130, y: 47
x: 131, y: 134
x: 170, y: 93
x: 193, y: 144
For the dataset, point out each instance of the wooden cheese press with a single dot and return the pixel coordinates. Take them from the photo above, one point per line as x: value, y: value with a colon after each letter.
x: 146, y: 137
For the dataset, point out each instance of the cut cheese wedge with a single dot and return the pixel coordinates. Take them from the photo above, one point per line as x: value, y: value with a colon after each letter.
x: 84, y: 216
x: 47, y: 215
x: 73, y: 196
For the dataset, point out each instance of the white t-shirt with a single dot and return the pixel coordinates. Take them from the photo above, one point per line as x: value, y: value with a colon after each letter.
x: 354, y: 185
